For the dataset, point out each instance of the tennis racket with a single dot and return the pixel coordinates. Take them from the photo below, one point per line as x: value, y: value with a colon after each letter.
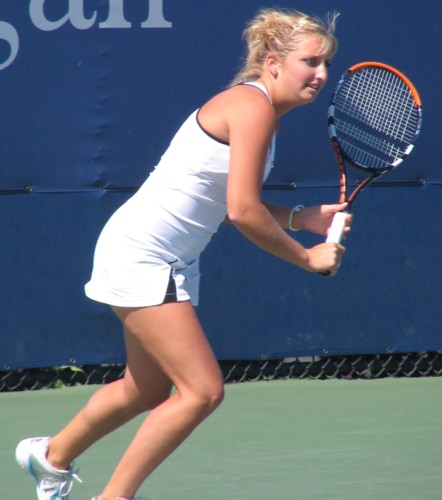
x: 374, y: 120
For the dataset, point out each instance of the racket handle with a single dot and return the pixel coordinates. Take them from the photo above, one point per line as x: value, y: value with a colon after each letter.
x: 336, y: 230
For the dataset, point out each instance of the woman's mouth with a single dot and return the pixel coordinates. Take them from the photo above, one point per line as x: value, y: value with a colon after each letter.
x: 314, y: 86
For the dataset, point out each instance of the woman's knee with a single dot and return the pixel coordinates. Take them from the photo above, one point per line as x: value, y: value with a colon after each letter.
x: 216, y: 396
x: 209, y: 398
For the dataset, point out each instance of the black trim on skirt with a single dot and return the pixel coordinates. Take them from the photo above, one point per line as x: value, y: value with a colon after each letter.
x: 171, y: 292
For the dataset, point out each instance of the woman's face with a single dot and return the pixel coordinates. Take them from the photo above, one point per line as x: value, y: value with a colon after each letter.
x: 303, y: 72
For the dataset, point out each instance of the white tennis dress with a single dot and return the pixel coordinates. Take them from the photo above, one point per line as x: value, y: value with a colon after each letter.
x: 157, y: 236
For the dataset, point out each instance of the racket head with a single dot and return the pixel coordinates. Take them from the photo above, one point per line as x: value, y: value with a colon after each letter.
x: 374, y: 117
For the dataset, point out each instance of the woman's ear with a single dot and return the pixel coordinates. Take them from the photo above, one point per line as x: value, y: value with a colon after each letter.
x: 272, y: 65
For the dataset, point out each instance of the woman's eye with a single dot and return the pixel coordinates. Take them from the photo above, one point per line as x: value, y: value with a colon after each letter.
x: 315, y: 62
x: 311, y: 62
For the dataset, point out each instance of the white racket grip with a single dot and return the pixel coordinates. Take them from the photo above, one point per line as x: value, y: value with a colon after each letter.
x: 336, y: 230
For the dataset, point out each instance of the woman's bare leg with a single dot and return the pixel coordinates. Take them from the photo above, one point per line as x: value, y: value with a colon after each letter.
x: 165, y: 346
x: 110, y: 407
x: 172, y: 335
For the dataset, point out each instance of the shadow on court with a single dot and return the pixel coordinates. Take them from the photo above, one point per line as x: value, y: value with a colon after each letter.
x: 279, y: 440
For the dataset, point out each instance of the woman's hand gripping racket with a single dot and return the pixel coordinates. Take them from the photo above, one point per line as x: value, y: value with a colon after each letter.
x: 374, y: 119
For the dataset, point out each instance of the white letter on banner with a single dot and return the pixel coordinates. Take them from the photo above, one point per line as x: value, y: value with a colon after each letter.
x: 75, y: 15
x: 155, y: 19
x: 36, y: 13
x: 116, y: 17
x: 10, y: 35
x: 78, y: 20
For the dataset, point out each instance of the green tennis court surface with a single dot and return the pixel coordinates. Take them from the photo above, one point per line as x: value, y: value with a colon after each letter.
x: 295, y: 439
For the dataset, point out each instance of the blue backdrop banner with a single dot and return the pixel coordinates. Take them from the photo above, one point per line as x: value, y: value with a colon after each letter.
x: 92, y: 92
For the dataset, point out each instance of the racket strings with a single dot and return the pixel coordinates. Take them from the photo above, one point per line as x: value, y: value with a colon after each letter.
x: 375, y: 117
x: 365, y: 148
x: 382, y: 100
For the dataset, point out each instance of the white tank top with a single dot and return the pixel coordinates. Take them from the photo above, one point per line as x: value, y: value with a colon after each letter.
x: 183, y: 201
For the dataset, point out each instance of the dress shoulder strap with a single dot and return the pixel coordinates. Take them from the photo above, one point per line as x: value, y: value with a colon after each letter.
x: 261, y: 87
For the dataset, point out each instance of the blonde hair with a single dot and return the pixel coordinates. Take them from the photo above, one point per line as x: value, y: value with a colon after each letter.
x: 279, y: 32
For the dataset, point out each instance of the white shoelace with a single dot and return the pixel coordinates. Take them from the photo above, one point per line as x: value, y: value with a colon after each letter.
x: 63, y: 486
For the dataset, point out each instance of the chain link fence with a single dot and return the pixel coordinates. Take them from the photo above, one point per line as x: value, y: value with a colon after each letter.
x: 421, y: 364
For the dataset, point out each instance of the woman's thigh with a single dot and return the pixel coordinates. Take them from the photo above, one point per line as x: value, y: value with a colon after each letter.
x: 166, y: 343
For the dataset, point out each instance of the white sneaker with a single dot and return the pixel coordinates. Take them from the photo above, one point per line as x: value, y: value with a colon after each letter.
x: 52, y: 483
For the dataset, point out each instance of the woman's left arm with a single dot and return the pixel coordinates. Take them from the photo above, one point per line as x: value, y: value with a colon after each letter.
x: 316, y: 219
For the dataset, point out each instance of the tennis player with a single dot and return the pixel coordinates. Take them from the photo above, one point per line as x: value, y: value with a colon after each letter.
x: 146, y: 259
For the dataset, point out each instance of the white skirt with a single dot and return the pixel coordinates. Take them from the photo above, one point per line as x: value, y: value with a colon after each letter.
x: 127, y: 274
